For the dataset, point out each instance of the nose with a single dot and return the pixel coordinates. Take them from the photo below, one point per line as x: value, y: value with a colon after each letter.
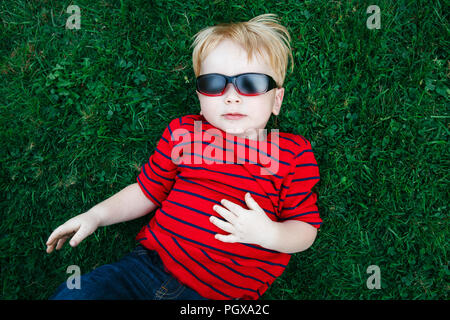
x: 231, y: 95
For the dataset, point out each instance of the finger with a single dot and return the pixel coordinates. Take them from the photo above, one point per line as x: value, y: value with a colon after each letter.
x: 58, y: 243
x: 61, y: 242
x: 230, y: 238
x: 251, y: 203
x: 54, y: 242
x: 79, y: 236
x: 49, y: 248
x: 59, y: 232
x: 226, y: 214
x: 53, y: 236
x: 233, y: 207
x: 225, y: 226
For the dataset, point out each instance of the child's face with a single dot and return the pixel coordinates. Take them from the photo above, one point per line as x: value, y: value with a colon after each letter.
x: 230, y: 59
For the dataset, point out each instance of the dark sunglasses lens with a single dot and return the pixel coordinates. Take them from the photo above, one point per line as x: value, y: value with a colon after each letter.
x: 211, y: 84
x: 252, y: 83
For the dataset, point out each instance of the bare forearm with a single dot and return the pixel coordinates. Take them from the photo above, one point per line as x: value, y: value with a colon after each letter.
x: 291, y: 236
x: 128, y: 204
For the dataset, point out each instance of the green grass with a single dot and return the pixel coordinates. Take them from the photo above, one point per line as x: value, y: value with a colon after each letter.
x: 81, y: 110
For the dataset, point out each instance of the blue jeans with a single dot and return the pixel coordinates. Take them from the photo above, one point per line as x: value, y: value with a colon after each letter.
x: 138, y: 275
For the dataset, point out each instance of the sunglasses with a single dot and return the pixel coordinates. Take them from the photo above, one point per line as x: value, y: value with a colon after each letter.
x: 247, y: 84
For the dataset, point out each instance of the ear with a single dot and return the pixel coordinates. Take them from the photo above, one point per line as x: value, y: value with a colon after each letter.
x: 279, y: 94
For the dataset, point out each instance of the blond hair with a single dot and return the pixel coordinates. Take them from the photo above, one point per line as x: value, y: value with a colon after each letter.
x: 261, y: 34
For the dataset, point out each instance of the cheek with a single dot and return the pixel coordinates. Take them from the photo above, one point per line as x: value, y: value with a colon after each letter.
x: 261, y: 108
x: 204, y: 101
x: 209, y: 106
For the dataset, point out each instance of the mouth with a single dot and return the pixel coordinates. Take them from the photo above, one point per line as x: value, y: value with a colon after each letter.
x: 233, y: 116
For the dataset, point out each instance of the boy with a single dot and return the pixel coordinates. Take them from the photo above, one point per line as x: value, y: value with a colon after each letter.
x: 202, y: 241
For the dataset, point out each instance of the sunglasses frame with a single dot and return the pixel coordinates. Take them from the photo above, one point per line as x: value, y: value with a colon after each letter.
x: 232, y: 79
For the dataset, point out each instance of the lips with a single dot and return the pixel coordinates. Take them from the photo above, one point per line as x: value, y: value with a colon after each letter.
x: 234, y: 116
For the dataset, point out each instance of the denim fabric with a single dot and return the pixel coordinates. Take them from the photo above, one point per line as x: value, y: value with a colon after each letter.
x: 137, y: 276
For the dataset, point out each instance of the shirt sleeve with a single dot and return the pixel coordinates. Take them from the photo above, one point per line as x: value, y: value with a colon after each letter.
x: 157, y: 176
x: 298, y: 201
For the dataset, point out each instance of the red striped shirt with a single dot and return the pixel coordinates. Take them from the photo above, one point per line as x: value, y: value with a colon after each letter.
x: 208, y: 165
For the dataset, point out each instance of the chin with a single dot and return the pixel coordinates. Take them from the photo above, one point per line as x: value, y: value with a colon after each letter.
x: 234, y: 131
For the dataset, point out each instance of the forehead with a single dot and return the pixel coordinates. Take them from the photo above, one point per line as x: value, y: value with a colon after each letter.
x: 230, y: 58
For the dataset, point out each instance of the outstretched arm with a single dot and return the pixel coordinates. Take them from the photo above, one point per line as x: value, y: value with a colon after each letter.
x: 128, y: 204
